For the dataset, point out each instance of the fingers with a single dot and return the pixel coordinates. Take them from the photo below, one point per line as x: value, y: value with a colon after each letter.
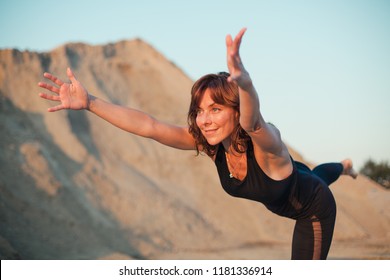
x: 49, y: 96
x: 229, y: 40
x: 238, y: 39
x: 240, y: 35
x: 56, y: 108
x: 49, y: 87
x: 71, y: 76
x: 233, y: 46
x: 53, y: 98
x: 58, y: 82
x: 53, y: 78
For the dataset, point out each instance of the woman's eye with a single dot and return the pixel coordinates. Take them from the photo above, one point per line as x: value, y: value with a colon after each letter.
x: 216, y: 110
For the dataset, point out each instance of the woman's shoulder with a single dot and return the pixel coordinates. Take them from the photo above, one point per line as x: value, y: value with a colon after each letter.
x: 275, y: 166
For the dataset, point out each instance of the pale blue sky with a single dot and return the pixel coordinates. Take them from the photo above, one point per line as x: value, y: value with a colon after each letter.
x: 321, y: 68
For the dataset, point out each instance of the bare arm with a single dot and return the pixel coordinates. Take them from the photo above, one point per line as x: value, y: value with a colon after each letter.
x: 142, y: 124
x: 271, y: 153
x: 250, y: 117
x: 74, y: 96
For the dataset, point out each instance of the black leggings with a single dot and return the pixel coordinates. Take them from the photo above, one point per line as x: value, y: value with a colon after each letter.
x: 312, y: 237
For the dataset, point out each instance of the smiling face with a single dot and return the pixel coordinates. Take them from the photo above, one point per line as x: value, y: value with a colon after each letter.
x: 215, y: 121
x: 213, y: 116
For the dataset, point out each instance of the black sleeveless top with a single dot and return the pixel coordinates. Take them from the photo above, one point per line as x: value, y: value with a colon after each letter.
x: 291, y: 197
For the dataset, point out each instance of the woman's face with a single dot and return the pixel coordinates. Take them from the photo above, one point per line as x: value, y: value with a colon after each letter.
x: 215, y: 121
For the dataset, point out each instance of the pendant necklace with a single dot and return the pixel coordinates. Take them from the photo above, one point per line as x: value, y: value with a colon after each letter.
x: 229, y: 164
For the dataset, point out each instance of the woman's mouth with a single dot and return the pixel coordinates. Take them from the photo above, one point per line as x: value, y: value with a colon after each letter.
x: 209, y: 132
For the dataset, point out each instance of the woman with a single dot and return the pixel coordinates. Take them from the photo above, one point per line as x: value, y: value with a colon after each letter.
x: 252, y: 161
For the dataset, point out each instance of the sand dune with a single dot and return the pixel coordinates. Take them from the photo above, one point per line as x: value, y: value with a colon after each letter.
x: 74, y: 187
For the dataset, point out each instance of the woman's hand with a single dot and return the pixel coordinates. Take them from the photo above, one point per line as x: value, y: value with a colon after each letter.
x: 234, y: 63
x: 71, y: 95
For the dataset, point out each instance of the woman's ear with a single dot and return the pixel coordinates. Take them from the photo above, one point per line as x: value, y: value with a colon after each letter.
x: 237, y: 116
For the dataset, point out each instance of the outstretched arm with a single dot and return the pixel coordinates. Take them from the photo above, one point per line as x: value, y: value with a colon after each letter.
x: 250, y: 117
x: 75, y: 97
x: 271, y: 153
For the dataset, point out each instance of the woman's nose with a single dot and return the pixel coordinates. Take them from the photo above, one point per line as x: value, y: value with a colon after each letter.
x: 206, y: 118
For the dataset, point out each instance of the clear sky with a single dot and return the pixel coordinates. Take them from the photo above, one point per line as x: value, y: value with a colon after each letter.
x: 321, y: 68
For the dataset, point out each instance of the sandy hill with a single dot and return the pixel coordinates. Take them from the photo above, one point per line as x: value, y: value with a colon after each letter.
x: 74, y: 187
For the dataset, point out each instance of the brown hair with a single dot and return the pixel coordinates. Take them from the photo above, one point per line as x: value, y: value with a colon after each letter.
x: 224, y: 93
